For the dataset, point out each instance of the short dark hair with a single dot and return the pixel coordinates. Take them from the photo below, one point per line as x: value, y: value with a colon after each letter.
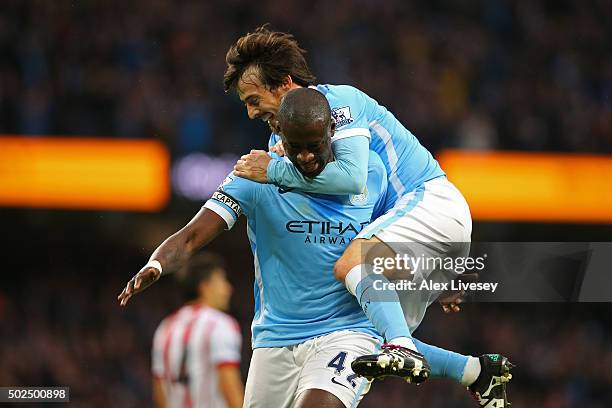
x: 199, y: 269
x: 302, y: 107
x: 273, y: 54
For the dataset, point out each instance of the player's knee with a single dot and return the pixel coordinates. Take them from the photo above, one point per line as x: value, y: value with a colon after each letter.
x: 349, y: 259
x: 341, y: 269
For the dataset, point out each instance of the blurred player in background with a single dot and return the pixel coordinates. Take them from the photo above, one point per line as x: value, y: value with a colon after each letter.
x: 421, y: 205
x: 196, y: 350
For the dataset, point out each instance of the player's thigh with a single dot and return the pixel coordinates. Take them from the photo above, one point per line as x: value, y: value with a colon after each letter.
x: 433, y: 219
x: 430, y: 225
x: 446, y: 214
x: 314, y: 398
x: 272, y: 380
x: 327, y: 366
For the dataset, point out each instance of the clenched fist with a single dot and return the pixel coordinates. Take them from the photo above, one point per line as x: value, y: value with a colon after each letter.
x: 253, y: 166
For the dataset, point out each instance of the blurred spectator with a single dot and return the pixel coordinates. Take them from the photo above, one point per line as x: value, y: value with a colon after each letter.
x: 522, y: 74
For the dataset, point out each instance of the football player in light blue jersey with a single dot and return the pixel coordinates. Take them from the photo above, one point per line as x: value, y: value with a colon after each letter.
x: 307, y: 329
x: 422, y: 208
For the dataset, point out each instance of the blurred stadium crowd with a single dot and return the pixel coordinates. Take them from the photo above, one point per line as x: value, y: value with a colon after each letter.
x: 533, y: 75
x: 489, y: 74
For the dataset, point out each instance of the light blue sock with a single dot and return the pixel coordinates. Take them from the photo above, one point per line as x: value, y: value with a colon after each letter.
x: 382, y: 308
x: 443, y: 363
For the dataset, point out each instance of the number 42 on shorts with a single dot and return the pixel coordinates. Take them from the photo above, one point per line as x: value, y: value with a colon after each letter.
x: 338, y: 364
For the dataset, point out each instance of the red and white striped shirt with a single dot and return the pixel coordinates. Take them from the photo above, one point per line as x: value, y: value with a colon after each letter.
x: 188, y: 348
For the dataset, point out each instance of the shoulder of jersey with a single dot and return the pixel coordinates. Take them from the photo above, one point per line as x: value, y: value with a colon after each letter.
x: 228, y: 320
x: 169, y: 318
x: 217, y: 313
x: 338, y: 94
x: 340, y: 98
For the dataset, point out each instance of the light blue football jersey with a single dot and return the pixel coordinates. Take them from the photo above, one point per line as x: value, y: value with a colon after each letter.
x: 407, y: 162
x: 296, y: 238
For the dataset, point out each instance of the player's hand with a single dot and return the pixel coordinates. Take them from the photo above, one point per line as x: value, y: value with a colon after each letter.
x: 450, y: 301
x: 142, y: 280
x: 253, y: 166
x: 278, y: 148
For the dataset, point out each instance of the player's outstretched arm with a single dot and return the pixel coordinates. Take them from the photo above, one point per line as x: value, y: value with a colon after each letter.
x: 175, y: 251
x: 347, y: 174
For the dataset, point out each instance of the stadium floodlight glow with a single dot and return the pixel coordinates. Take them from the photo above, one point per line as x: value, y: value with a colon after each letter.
x: 83, y: 173
x: 535, y: 187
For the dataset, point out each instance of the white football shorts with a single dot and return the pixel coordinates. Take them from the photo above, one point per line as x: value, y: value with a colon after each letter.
x: 279, y: 375
x: 433, y: 223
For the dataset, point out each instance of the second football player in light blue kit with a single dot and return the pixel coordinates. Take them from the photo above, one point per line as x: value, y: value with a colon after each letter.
x: 424, y: 212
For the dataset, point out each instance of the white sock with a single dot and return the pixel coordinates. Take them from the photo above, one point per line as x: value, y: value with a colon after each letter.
x: 404, y: 342
x: 471, y: 371
x: 353, y: 278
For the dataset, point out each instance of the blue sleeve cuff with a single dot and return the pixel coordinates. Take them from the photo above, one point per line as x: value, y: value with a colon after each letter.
x: 271, y: 171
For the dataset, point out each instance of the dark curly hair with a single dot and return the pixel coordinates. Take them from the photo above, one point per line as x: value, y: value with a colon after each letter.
x: 272, y: 54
